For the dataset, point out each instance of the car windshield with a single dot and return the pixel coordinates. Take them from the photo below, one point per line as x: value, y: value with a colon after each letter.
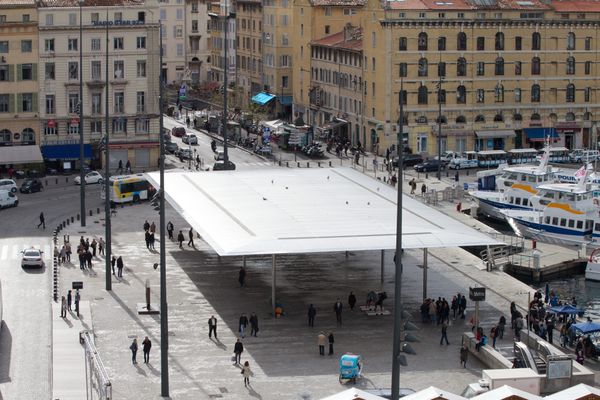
x: 32, y: 253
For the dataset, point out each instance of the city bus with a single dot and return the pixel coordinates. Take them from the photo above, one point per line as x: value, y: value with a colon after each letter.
x: 491, y: 158
x: 129, y: 188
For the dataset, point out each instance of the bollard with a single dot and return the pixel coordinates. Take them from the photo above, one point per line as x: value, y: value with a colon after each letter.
x: 91, y: 213
x: 46, y: 182
x: 72, y: 219
x: 308, y: 164
x: 67, y: 179
x: 280, y: 163
x: 65, y: 223
x: 287, y: 163
x: 298, y: 164
x: 426, y: 175
x: 55, y: 181
x: 330, y: 163
x: 98, y: 210
x: 78, y: 217
x: 467, y: 172
x: 446, y: 174
x: 319, y: 164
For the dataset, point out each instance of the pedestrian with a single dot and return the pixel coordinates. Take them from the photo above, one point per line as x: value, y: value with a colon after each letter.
x: 120, y: 267
x: 312, y: 312
x: 147, y: 239
x: 454, y: 307
x: 247, y: 372
x: 113, y: 261
x: 212, y: 326
x: 94, y: 245
x: 242, y: 276
x: 243, y: 323
x: 146, y: 346
x: 330, y: 339
x: 134, y: 349
x: 153, y: 227
x: 238, y: 349
x: 464, y: 355
x: 494, y: 335
x: 321, y: 340
x: 180, y: 239
x: 63, y: 255
x: 69, y: 300
x: 191, y: 235
x: 501, y: 324
x: 550, y: 329
x: 88, y: 259
x: 146, y: 226
x: 42, y: 221
x: 101, y: 246
x: 128, y: 167
x: 120, y: 167
x: 81, y: 255
x: 518, y: 326
x: 68, y: 251
x: 151, y: 239
x: 463, y: 306
x: 423, y: 189
x: 63, y: 307
x: 413, y: 185
x: 444, y: 334
x: 337, y: 307
x: 351, y: 300
x: 77, y: 298
x: 253, y: 325
x: 170, y: 229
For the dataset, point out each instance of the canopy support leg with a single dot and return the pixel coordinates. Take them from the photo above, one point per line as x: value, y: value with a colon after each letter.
x: 425, y: 252
x: 273, y: 282
x: 382, y: 264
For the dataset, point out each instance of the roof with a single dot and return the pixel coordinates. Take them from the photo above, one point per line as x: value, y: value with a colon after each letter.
x: 292, y: 211
x: 20, y: 154
x: 507, y: 392
x: 90, y: 3
x: 438, y: 5
x: 16, y: 3
x: 432, y: 393
x: 576, y: 6
x: 353, y: 394
x: 349, y: 39
x: 343, y: 3
x: 575, y: 393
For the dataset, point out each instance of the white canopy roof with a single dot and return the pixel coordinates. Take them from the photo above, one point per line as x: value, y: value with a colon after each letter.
x: 286, y: 211
x: 353, y: 394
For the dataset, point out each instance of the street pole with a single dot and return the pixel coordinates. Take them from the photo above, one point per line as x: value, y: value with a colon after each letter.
x: 107, y: 221
x: 439, y: 171
x: 164, y: 321
x: 81, y: 147
x: 398, y: 259
x: 225, y: 76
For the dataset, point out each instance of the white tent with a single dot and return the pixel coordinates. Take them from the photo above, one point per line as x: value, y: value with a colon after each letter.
x: 577, y: 392
x: 353, y: 394
x: 433, y: 393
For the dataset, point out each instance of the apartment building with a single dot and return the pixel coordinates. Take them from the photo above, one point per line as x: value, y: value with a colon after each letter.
x: 249, y: 50
x: 125, y: 31
x: 173, y: 17
x: 19, y: 112
x: 197, y: 40
x: 223, y: 17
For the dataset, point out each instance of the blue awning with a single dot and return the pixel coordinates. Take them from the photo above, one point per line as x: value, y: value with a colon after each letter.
x: 540, y: 134
x: 285, y: 100
x: 65, y: 151
x: 262, y: 98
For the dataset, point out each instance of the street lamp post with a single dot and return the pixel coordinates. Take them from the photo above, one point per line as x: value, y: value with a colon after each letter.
x: 81, y: 147
x: 439, y: 138
x: 107, y: 221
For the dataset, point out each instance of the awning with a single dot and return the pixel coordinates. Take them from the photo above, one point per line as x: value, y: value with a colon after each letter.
x: 20, y: 154
x: 285, y: 100
x: 262, y: 98
x: 540, y: 134
x: 66, y: 151
x: 494, y: 134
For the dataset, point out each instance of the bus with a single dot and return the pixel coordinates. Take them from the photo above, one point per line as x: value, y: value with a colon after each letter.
x: 522, y: 156
x: 557, y: 154
x: 491, y: 158
x: 129, y: 188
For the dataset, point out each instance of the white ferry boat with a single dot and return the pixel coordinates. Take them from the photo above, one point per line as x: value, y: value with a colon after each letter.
x: 592, y: 269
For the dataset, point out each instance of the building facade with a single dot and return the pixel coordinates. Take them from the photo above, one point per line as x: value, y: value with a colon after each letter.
x: 127, y: 33
x: 197, y: 41
x: 19, y: 123
x: 219, y: 65
x: 249, y: 50
x: 173, y: 17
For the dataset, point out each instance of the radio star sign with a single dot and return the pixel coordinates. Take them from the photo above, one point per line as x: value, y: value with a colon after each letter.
x: 477, y: 293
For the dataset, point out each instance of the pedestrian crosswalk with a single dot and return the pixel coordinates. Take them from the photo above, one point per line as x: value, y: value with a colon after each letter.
x: 12, y: 252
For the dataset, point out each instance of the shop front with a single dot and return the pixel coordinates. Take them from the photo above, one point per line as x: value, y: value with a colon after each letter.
x: 538, y: 136
x: 570, y: 133
x: 500, y: 139
x: 143, y: 156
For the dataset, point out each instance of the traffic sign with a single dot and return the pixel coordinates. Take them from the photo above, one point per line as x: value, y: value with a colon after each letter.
x: 77, y: 285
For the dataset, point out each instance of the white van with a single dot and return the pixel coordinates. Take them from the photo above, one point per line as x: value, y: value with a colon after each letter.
x: 8, y: 199
x: 8, y: 184
x: 580, y: 155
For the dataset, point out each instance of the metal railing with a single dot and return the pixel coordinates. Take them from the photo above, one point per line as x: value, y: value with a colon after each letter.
x: 98, y: 385
x: 55, y: 268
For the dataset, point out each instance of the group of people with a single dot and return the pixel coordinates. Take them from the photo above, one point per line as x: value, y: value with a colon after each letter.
x: 127, y: 169
x: 438, y: 311
x: 413, y: 186
x: 243, y: 325
x: 67, y: 302
x: 86, y: 251
x: 149, y: 231
x: 146, y: 346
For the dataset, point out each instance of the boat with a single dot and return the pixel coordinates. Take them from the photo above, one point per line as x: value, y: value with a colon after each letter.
x: 592, y: 269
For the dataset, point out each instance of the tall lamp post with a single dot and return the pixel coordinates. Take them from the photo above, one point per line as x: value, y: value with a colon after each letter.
x: 439, y: 138
x: 81, y: 147
x: 107, y: 221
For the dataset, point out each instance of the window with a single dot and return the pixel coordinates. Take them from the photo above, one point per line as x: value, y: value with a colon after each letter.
x: 285, y: 81
x: 480, y: 96
x: 25, y: 18
x: 402, y: 44
x: 587, y: 94
x: 460, y: 15
x: 49, y: 45
x: 535, y: 66
x: 141, y: 68
x: 4, y: 46
x: 4, y: 73
x: 179, y: 49
x: 141, y: 16
x: 50, y: 104
x: 535, y: 93
x: 96, y: 70
x: 422, y: 41
x: 349, y: 11
x: 26, y: 46
x: 536, y: 41
x: 480, y: 43
x: 49, y: 19
x: 95, y: 17
x: 195, y: 26
x: 328, y: 11
x: 73, y: 128
x: 518, y: 43
x: 422, y: 95
x: 142, y: 125
x: 403, y: 97
x: 422, y: 15
x: 27, y: 72
x: 163, y: 14
x: 570, y: 96
x: 461, y: 67
x: 588, y: 67
x: 119, y: 16
x: 517, y: 96
x: 373, y: 40
x: 423, y: 67
x: 72, y: 44
x: 441, y: 43
x: 96, y: 103
x: 72, y: 19
x: 570, y: 41
x: 499, y: 93
x: 480, y: 68
x: 118, y: 69
x: 499, y: 66
x: 441, y: 15
x: 588, y: 43
x: 441, y: 69
x: 141, y: 42
x: 441, y: 96
x: 461, y: 41
x: 178, y: 31
x: 403, y: 70
x: 119, y: 102
x: 95, y: 45
x: 119, y: 125
x: 118, y: 43
x: 96, y: 126
x: 73, y: 103
x: 49, y: 71
x: 570, y: 65
x: 421, y: 143
x: 141, y: 102
x: 73, y: 67
x: 499, y: 42
x: 5, y: 105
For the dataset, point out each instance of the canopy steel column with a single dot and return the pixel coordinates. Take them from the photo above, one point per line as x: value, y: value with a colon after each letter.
x: 274, y: 280
x: 382, y: 264
x: 425, y: 253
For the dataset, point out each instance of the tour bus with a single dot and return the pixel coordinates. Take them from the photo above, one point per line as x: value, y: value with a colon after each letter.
x: 557, y: 154
x: 522, y: 156
x: 129, y: 188
x: 491, y: 158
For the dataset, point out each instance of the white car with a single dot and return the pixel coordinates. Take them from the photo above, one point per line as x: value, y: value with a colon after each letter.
x: 8, y: 184
x: 90, y: 178
x: 190, y: 139
x: 32, y: 258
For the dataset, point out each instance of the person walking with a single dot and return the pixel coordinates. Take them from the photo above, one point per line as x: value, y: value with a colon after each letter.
x: 321, y: 340
x: 312, y: 312
x: 238, y: 349
x: 212, y: 326
x: 68, y: 251
x: 243, y: 323
x: 423, y: 189
x: 77, y: 298
x: 464, y: 355
x: 146, y: 346
x: 88, y: 258
x: 550, y: 329
x: 413, y: 186
x: 444, y: 334
x: 242, y: 276
x: 494, y: 335
x: 253, y: 325
x: 134, y: 348
x: 69, y: 300
x: 180, y: 239
x: 146, y: 226
x: 501, y: 325
x: 128, y: 167
x: 337, y: 307
x: 63, y: 255
x: 147, y: 239
x: 170, y: 229
x: 113, y: 261
x: 331, y: 340
x: 63, y: 307
x: 351, y: 301
x: 120, y: 267
x: 120, y: 167
x: 101, y: 247
x: 191, y: 236
x: 152, y: 227
x: 42, y: 221
x: 94, y: 245
x: 152, y: 241
x: 247, y: 372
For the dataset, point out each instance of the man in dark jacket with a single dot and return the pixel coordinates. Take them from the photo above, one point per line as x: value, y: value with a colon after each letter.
x: 243, y: 323
x: 120, y: 267
x: 170, y: 229
x: 312, y: 312
x: 146, y: 346
x: 242, y: 277
x: 238, y: 349
x: 337, y: 307
x: 191, y: 235
x: 180, y: 239
x: 212, y: 326
x: 253, y: 325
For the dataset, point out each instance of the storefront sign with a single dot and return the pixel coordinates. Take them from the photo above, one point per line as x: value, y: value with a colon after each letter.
x: 143, y: 145
x: 126, y: 22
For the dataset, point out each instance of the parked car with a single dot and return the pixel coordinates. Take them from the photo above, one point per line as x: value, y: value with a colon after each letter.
x: 90, y: 178
x: 178, y: 131
x: 31, y: 185
x: 430, y: 166
x: 190, y: 139
x: 32, y: 257
x: 584, y: 155
x: 185, y: 154
x: 409, y: 160
x: 8, y: 199
x: 222, y: 166
x: 8, y: 184
x: 219, y: 154
x: 171, y: 147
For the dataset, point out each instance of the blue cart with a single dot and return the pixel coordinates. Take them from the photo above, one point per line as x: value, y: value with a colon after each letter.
x: 350, y: 368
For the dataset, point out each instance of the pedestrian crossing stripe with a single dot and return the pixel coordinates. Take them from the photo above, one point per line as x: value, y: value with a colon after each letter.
x: 8, y: 252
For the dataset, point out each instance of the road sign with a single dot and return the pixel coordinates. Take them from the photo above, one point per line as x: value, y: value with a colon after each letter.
x: 477, y: 294
x: 77, y: 285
